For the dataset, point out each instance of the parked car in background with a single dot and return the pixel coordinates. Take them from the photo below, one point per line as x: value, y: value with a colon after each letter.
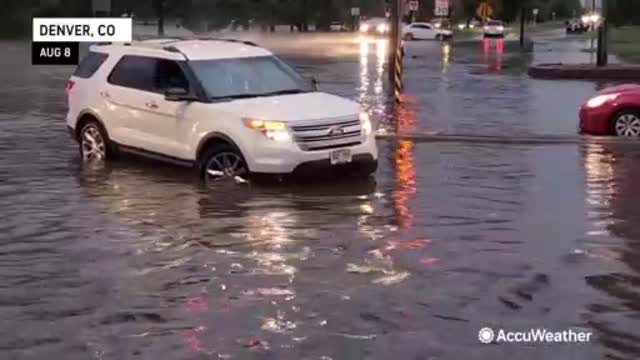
x: 425, y: 31
x: 612, y: 111
x: 494, y: 28
x: 576, y: 27
x: 338, y: 26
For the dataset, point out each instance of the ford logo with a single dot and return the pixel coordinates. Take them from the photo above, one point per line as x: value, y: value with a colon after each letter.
x: 336, y: 130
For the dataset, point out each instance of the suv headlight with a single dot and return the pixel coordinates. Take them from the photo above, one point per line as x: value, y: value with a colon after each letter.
x: 274, y: 130
x: 365, y: 122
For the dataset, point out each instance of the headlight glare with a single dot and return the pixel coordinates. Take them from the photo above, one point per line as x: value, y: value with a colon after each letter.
x: 274, y: 130
x: 365, y: 122
x: 600, y: 100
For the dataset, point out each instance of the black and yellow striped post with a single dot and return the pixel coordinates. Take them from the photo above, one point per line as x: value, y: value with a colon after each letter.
x: 398, y: 68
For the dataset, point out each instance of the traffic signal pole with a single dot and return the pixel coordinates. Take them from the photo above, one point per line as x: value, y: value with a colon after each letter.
x: 394, y: 37
x: 523, y: 18
x: 602, y: 58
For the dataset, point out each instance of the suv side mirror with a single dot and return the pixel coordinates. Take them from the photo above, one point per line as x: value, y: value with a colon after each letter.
x: 177, y: 94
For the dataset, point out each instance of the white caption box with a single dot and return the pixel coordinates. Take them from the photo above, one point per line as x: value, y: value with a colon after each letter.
x: 82, y: 29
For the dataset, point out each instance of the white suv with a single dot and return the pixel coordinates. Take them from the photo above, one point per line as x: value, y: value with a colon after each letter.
x: 226, y: 107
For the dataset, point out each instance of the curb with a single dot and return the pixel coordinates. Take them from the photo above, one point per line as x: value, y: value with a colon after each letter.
x: 584, y: 72
x: 517, y: 140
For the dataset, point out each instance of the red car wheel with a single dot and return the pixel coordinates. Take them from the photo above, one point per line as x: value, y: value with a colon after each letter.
x: 627, y: 123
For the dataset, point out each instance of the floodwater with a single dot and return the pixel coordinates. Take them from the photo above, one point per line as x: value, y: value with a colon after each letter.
x: 136, y: 260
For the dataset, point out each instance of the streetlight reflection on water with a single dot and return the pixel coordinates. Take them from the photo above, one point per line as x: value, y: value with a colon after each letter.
x: 368, y: 74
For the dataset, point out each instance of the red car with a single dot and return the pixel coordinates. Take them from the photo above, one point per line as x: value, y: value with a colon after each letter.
x: 612, y: 111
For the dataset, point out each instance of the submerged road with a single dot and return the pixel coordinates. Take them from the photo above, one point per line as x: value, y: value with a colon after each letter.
x: 136, y: 260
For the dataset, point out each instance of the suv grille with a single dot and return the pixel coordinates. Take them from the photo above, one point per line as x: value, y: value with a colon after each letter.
x: 327, y: 134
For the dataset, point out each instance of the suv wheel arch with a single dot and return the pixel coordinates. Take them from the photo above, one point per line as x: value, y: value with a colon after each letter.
x: 86, y: 116
x: 211, y: 139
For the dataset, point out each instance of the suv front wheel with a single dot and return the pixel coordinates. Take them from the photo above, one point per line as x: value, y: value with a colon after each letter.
x: 94, y: 143
x: 223, y: 162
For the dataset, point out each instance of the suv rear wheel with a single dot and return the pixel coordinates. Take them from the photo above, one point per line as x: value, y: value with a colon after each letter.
x: 223, y: 162
x: 94, y: 142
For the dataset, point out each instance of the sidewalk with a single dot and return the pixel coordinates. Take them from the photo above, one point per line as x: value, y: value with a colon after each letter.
x: 560, y: 57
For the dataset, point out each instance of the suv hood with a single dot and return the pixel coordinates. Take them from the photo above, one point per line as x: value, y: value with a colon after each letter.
x: 293, y: 107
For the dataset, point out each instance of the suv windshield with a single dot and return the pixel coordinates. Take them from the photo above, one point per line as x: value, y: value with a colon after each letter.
x: 248, y: 77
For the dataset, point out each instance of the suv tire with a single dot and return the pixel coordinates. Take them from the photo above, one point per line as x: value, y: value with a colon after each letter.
x: 94, y: 143
x: 222, y: 161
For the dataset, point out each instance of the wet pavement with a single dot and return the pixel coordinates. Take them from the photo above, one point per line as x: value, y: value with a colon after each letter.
x: 136, y: 260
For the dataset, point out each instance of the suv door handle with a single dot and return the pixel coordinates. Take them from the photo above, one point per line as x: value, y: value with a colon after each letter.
x: 151, y: 105
x: 105, y: 94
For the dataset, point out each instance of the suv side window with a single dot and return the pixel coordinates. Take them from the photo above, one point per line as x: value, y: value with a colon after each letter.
x: 423, y: 26
x: 90, y: 64
x: 168, y: 74
x: 136, y: 72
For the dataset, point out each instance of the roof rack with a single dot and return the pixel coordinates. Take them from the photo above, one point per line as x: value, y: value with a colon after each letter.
x: 103, y: 43
x: 172, y: 39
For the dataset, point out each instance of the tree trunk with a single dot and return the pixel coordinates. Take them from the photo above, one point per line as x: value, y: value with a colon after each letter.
x: 159, y: 7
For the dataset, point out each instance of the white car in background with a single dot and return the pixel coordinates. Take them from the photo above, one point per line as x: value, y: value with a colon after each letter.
x: 494, y: 28
x: 425, y: 31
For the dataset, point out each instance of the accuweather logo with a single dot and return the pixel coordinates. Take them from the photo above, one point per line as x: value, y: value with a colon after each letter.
x: 487, y: 336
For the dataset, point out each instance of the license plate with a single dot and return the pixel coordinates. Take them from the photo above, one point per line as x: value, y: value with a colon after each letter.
x: 341, y: 156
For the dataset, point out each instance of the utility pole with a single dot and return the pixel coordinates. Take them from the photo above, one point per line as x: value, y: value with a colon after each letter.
x: 394, y: 35
x: 603, y: 38
x: 159, y: 7
x: 523, y: 17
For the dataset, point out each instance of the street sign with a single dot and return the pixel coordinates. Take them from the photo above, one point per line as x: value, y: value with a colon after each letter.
x: 484, y: 10
x: 413, y: 5
x: 355, y: 11
x: 441, y: 8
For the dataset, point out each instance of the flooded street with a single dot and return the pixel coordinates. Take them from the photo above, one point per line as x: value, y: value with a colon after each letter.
x: 137, y: 260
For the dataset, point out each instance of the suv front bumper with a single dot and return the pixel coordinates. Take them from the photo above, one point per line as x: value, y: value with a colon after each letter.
x: 285, y: 158
x: 361, y: 163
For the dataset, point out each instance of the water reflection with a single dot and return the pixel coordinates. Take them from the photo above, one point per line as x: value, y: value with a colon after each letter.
x: 446, y: 56
x: 493, y: 63
x: 612, y: 174
x: 405, y: 166
x: 372, y: 79
x: 250, y: 257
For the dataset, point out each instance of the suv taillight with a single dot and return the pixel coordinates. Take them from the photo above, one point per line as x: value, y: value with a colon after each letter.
x: 70, y: 85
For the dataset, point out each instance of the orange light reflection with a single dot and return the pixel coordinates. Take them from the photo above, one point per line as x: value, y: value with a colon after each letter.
x: 405, y: 167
